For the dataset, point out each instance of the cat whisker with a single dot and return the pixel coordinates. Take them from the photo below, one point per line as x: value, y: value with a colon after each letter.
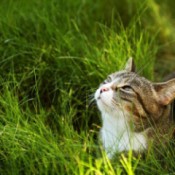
x: 91, y: 96
x: 91, y: 100
x: 91, y: 103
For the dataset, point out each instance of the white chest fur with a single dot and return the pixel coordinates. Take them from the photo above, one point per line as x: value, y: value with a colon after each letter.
x: 116, y: 134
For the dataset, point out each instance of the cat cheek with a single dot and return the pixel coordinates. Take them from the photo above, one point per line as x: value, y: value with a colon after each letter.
x: 107, y: 98
x: 97, y: 94
x: 101, y: 106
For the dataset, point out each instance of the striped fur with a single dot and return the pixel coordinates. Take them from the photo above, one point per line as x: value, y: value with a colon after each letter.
x: 134, y: 110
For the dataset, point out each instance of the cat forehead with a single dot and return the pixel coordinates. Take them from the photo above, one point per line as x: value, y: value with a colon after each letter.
x: 128, y: 77
x: 122, y: 76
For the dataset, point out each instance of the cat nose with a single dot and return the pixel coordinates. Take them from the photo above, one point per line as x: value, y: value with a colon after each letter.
x: 104, y: 89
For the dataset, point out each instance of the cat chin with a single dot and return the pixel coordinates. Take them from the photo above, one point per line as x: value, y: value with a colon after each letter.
x: 110, y: 111
x: 102, y: 106
x: 104, y: 100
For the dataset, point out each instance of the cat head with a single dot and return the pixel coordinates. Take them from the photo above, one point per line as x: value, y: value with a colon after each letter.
x: 127, y: 91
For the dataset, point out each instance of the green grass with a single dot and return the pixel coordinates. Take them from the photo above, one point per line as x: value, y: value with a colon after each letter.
x: 54, y: 54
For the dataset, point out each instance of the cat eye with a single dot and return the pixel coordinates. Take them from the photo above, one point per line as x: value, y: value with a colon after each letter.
x: 126, y: 88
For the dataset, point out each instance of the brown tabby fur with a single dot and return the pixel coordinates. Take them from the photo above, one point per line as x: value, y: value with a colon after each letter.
x: 149, y: 103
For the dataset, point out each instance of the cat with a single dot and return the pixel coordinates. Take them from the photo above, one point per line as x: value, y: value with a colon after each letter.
x: 135, y: 111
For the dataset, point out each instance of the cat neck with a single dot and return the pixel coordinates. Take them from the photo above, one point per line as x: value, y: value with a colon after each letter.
x: 117, y: 134
x: 116, y: 121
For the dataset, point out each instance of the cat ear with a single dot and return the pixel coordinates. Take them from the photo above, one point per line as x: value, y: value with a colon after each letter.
x: 130, y: 66
x: 165, y: 92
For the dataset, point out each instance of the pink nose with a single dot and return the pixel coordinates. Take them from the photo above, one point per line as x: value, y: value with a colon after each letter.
x: 104, y: 89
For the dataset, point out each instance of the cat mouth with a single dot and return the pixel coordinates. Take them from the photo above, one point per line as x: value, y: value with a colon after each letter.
x: 101, y: 100
x: 98, y: 98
